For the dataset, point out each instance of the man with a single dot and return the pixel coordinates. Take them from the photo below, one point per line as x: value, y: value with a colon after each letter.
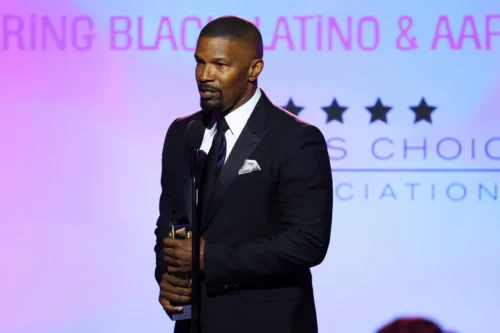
x: 265, y: 197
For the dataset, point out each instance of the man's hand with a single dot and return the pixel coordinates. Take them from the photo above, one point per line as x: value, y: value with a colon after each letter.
x: 174, y: 290
x: 178, y: 255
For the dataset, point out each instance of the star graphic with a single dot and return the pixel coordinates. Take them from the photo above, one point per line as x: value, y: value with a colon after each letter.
x: 423, y: 111
x: 291, y: 107
x: 379, y: 111
x: 334, y: 111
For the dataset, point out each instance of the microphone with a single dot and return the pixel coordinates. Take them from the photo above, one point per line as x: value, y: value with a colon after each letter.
x: 194, y: 134
x: 194, y: 137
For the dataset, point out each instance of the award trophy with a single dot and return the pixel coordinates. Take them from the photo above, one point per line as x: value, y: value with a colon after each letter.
x: 180, y: 231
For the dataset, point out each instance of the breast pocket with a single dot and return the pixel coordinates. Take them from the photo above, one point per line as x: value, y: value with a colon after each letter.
x: 252, y: 176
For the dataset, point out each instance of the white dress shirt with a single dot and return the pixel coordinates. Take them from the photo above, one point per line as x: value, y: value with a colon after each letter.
x: 236, y: 121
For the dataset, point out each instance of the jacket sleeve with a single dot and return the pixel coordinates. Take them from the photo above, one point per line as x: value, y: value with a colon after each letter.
x: 166, y: 203
x: 305, y: 197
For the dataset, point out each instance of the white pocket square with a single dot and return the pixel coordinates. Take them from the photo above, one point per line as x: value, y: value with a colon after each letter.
x: 249, y: 166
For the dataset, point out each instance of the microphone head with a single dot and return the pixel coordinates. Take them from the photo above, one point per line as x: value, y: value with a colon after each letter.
x: 194, y: 134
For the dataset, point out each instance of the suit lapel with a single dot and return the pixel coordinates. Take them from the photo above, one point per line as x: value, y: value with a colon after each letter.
x: 250, y: 137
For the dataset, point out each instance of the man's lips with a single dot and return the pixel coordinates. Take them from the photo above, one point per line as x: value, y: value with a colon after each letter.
x: 207, y: 93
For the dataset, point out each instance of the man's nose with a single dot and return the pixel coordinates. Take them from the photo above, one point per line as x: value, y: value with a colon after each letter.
x: 206, y: 73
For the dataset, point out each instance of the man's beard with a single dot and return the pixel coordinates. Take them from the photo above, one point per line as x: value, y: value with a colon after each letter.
x: 212, y: 105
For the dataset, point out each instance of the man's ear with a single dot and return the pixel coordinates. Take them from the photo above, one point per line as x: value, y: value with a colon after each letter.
x: 256, y: 68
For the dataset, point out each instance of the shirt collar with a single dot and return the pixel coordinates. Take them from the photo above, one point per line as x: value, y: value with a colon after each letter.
x: 238, y: 118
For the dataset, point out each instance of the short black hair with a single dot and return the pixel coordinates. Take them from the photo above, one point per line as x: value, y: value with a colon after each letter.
x: 236, y: 28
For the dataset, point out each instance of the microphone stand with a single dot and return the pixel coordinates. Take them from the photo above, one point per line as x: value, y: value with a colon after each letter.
x: 195, y: 231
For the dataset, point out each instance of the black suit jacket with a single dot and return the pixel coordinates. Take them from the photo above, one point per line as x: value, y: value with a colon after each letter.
x: 264, y: 230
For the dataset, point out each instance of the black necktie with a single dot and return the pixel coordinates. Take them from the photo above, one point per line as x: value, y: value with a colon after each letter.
x: 214, y: 163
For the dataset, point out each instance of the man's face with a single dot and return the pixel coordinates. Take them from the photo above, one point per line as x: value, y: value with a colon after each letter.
x: 223, y: 68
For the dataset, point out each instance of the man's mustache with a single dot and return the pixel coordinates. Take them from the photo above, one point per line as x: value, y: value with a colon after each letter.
x: 208, y: 88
